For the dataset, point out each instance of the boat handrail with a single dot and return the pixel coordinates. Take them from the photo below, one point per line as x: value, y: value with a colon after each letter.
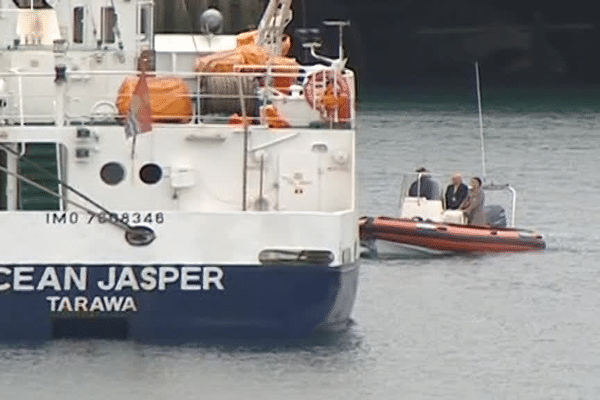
x: 214, y: 96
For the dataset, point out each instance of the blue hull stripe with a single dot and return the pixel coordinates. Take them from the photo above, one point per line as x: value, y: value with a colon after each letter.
x: 173, y: 302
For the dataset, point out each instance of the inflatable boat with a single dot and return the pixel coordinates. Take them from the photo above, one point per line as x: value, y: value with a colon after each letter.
x: 425, y: 228
x: 402, y: 236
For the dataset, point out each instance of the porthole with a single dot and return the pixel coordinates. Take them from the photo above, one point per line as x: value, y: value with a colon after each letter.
x: 150, y: 173
x: 112, y: 173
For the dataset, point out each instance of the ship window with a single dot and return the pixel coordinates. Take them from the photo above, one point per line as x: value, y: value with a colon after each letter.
x: 145, y: 22
x: 143, y: 18
x: 78, y: 24
x: 150, y: 173
x: 109, y: 20
x: 112, y: 173
x: 37, y: 4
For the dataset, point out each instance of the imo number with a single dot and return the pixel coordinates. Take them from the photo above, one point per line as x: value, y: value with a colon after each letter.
x: 73, y: 218
x: 128, y: 218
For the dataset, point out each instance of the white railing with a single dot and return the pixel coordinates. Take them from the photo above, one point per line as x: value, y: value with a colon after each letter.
x: 282, y: 96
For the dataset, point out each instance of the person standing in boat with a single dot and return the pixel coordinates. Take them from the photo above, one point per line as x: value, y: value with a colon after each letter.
x: 473, y: 204
x: 456, y: 192
x: 424, y: 186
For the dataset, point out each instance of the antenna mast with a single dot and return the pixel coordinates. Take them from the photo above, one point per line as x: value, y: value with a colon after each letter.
x: 480, y: 119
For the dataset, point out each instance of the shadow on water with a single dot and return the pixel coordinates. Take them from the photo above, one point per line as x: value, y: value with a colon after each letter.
x: 348, y: 339
x: 345, y: 340
x: 390, y: 258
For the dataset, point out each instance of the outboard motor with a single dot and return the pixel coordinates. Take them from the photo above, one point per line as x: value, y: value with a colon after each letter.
x: 495, y: 216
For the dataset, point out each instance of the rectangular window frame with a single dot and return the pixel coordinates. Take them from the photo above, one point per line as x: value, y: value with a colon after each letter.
x: 108, y: 21
x: 78, y: 24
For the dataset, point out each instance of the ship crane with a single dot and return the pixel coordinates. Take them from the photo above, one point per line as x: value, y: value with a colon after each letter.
x: 276, y: 17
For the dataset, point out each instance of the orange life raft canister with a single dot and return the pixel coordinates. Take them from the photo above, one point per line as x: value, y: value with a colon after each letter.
x: 170, y: 98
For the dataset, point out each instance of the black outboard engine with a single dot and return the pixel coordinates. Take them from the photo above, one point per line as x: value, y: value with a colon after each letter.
x: 495, y: 216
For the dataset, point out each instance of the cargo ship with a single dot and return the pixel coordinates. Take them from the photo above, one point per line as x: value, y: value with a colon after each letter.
x: 171, y: 187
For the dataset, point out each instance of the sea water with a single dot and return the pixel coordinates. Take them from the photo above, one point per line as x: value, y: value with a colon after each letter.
x: 498, y: 326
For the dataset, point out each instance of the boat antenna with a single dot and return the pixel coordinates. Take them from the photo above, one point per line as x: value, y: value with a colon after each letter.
x: 480, y: 119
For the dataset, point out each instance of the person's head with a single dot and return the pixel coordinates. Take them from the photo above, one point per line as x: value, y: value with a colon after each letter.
x: 475, y: 182
x: 422, y: 171
x: 456, y: 179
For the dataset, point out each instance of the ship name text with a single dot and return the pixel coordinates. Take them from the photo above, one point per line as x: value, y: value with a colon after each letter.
x: 23, y: 279
x: 119, y: 283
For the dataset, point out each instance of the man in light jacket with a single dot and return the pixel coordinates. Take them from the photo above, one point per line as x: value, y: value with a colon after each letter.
x: 473, y: 204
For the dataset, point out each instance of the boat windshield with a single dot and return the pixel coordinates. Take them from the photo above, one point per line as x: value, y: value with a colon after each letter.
x: 425, y: 185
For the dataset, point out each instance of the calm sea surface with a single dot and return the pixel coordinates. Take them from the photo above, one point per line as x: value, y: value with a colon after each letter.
x: 511, y: 326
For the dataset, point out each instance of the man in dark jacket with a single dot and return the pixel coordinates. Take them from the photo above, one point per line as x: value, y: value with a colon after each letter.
x: 456, y: 192
x: 424, y: 186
